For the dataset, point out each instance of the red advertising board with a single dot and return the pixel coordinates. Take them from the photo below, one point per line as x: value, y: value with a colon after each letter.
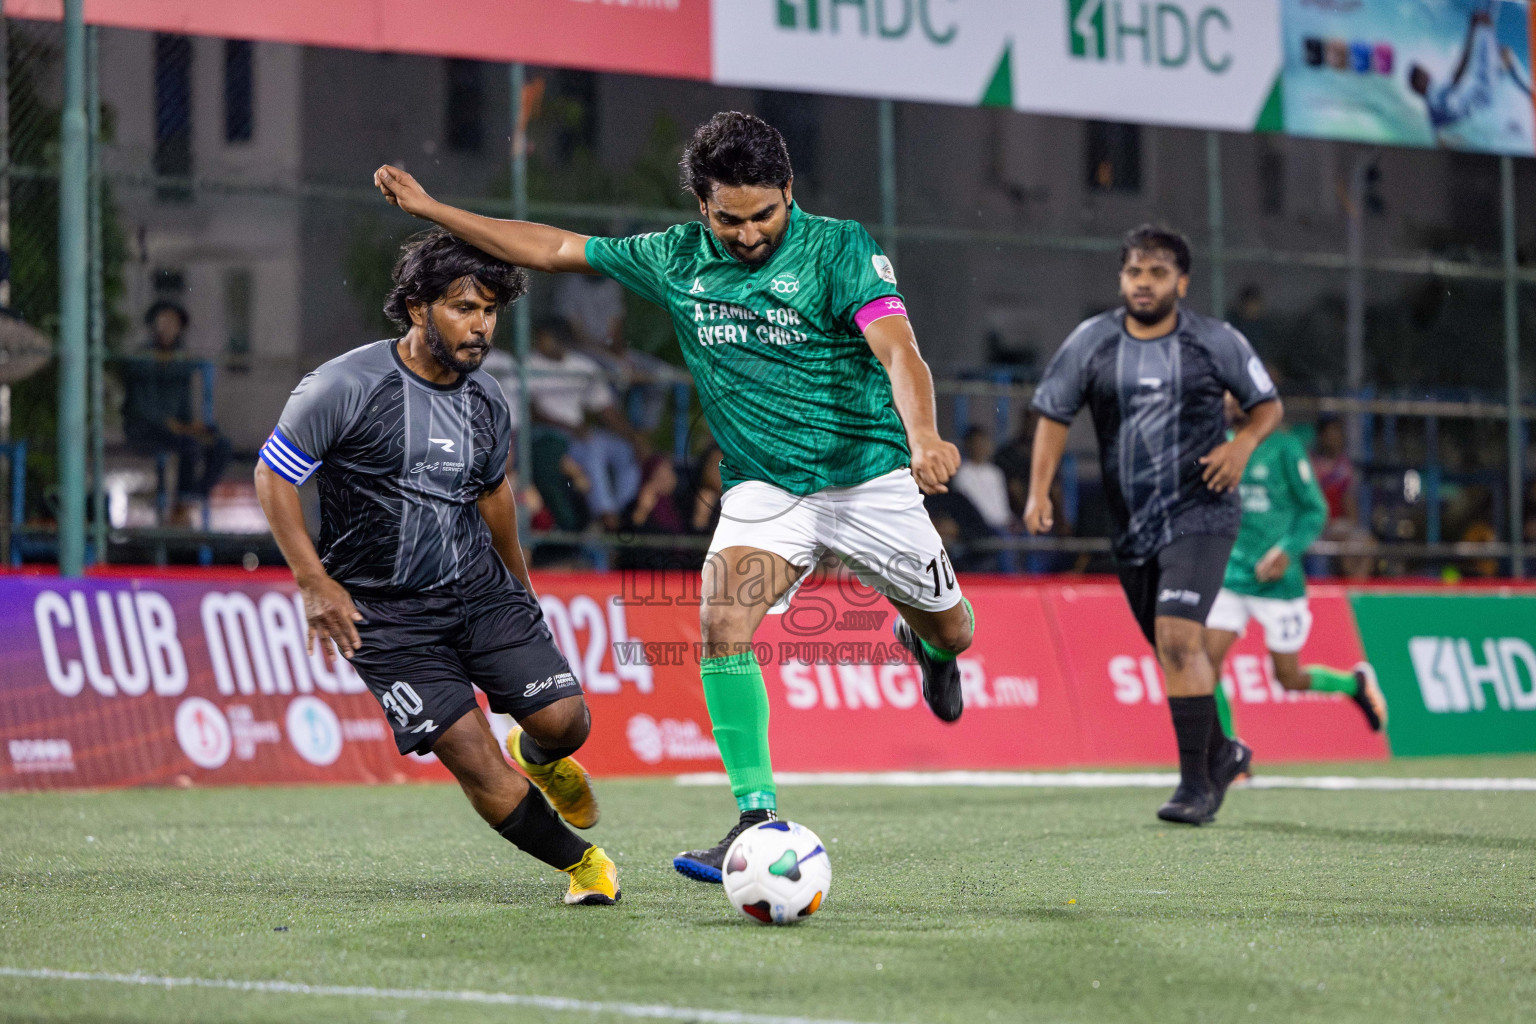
x: 667, y: 38
x: 1124, y: 713
x: 205, y: 680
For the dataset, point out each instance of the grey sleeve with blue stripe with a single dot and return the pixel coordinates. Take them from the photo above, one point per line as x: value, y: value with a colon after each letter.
x: 317, y: 414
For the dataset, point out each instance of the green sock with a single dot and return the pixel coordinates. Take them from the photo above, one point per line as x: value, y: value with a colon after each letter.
x: 738, y: 709
x: 1223, y: 710
x: 938, y: 654
x: 1331, y: 680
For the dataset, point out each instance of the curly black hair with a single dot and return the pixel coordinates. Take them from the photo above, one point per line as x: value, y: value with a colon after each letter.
x: 733, y: 148
x: 433, y: 260
x: 1151, y: 238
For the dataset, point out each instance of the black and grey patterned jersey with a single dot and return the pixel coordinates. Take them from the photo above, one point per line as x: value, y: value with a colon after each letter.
x: 400, y: 463
x: 1157, y: 409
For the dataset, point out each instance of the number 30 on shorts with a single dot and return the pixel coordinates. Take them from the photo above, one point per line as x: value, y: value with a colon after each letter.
x: 401, y: 702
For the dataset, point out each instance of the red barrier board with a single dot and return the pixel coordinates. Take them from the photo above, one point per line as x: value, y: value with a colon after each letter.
x: 117, y: 681
x: 1124, y: 710
x: 667, y: 38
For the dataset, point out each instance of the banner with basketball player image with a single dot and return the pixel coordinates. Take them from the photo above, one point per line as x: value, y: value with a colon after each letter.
x: 1449, y: 73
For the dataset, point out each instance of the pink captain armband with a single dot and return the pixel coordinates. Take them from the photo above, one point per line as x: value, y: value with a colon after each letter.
x: 891, y: 305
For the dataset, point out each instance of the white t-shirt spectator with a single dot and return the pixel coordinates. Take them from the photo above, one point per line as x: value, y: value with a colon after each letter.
x: 590, y: 305
x: 564, y: 390
x: 983, y: 485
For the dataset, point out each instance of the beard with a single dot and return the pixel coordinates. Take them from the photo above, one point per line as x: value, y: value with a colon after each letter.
x: 762, y: 254
x: 1154, y: 314
x: 439, y: 349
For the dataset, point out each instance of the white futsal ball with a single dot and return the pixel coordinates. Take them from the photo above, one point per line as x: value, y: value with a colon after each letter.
x: 777, y: 873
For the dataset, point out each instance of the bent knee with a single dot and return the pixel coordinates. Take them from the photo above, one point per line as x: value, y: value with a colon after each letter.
x: 1179, y: 646
x: 564, y: 725
x: 955, y: 638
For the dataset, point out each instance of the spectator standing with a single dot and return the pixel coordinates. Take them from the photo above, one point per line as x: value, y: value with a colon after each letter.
x: 1335, y: 472
x: 158, y: 412
x: 569, y: 393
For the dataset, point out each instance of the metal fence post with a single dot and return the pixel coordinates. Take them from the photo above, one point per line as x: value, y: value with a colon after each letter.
x: 1216, y: 221
x: 1354, y: 303
x: 1512, y: 370
x: 98, y: 321
x: 887, y: 119
x: 74, y: 174
x: 521, y: 322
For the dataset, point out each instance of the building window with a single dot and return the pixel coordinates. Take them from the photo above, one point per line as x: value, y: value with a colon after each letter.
x: 239, y: 90
x: 466, y: 106
x: 1113, y: 157
x: 173, y: 112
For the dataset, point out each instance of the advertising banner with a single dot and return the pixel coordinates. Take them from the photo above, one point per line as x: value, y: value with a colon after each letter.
x: 1452, y: 73
x: 206, y: 681
x: 122, y: 682
x: 1204, y: 63
x: 1459, y: 672
x: 1124, y: 712
x: 669, y: 38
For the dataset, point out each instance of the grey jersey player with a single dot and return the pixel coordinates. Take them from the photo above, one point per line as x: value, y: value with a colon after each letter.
x: 418, y: 578
x: 405, y: 463
x: 1153, y: 376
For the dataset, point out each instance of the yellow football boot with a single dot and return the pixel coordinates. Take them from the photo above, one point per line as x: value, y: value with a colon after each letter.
x: 594, y: 880
x: 564, y: 783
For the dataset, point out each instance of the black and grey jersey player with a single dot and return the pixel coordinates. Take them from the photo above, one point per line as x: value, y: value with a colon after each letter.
x: 1153, y: 376
x: 418, y: 578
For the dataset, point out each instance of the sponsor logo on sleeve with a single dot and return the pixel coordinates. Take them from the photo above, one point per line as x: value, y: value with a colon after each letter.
x: 1259, y: 375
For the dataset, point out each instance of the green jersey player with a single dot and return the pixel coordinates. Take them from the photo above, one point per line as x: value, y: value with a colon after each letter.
x: 1283, y: 513
x: 811, y: 381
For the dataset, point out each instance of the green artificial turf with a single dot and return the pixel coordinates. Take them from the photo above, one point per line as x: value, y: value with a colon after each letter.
x: 947, y: 905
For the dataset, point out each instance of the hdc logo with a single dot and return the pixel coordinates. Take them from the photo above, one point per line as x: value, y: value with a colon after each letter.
x: 888, y: 19
x: 1169, y: 34
x: 1452, y: 676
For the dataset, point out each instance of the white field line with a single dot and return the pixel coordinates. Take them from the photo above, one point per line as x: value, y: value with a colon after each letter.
x: 642, y: 1011
x: 1115, y: 780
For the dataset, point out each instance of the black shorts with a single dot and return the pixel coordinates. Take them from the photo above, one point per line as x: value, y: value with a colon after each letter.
x: 420, y: 654
x: 1181, y: 580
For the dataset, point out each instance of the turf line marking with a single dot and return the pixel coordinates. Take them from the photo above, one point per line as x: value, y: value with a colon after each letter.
x: 1116, y: 780
x: 639, y: 1010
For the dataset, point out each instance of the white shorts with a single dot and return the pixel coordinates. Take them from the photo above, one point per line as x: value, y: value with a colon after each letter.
x: 1287, y: 624
x: 879, y: 529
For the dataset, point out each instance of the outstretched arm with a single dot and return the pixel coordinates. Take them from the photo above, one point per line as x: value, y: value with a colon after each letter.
x: 1478, y: 18
x: 536, y: 246
x: 934, y: 460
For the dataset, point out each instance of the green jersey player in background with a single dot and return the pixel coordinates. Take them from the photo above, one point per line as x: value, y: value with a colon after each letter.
x: 1283, y: 513
x: 812, y: 384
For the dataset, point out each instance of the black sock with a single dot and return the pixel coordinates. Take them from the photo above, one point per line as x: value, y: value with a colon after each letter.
x: 1192, y: 724
x: 537, y: 830
x: 535, y: 754
x: 1216, y: 752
